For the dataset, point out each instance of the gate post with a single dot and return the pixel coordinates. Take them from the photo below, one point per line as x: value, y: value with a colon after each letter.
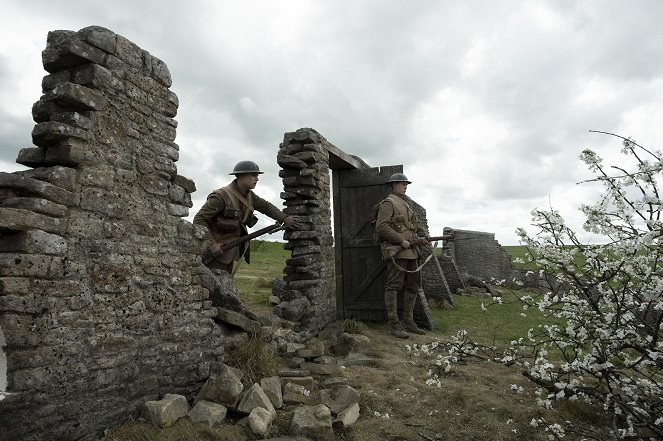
x: 309, y: 295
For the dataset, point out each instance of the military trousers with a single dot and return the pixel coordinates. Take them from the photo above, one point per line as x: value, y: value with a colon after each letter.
x: 396, y: 279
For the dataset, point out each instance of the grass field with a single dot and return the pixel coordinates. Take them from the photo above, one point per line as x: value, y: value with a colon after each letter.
x: 498, y: 325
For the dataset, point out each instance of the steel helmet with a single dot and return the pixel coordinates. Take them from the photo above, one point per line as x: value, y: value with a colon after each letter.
x: 398, y: 177
x: 245, y: 167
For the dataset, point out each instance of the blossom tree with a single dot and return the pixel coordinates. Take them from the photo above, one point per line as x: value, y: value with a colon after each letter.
x: 603, y: 343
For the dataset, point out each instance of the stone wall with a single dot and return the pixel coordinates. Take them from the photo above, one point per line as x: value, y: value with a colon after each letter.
x: 103, y: 300
x: 309, y: 295
x: 478, y: 254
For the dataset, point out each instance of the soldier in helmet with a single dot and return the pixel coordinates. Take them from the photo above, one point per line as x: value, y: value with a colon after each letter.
x: 228, y: 212
x: 396, y: 225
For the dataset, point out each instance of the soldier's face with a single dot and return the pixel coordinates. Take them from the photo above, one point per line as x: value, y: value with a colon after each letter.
x: 399, y: 187
x: 247, y: 181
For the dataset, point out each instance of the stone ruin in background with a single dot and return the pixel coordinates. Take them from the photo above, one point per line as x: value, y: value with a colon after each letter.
x: 104, y: 301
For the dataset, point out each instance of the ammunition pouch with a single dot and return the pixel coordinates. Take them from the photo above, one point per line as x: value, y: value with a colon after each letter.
x: 251, y: 220
x: 226, y: 225
x: 384, y: 251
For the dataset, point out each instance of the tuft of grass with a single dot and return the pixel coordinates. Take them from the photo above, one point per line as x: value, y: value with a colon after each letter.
x: 352, y: 326
x: 255, y: 358
x: 263, y: 282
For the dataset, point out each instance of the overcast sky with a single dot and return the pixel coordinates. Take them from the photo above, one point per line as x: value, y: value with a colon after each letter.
x: 487, y: 104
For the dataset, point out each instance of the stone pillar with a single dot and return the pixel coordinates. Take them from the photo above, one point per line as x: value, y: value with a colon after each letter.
x: 104, y: 302
x: 309, y: 296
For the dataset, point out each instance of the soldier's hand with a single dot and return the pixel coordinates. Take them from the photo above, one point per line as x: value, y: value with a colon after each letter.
x: 216, y: 250
x: 405, y: 244
x: 422, y: 242
x: 293, y: 222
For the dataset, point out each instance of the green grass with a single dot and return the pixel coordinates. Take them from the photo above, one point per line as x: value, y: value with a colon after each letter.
x: 254, y: 281
x: 497, y: 326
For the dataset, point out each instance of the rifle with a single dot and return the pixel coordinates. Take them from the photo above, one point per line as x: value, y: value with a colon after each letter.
x: 240, y: 240
x: 394, y: 249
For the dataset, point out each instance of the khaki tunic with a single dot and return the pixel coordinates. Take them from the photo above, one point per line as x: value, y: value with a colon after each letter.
x: 395, y: 223
x: 215, y: 205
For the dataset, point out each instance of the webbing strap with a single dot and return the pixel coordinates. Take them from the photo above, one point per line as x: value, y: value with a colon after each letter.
x: 248, y: 203
x: 417, y: 269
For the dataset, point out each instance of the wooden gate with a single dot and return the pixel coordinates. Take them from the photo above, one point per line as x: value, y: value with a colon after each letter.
x: 359, y: 268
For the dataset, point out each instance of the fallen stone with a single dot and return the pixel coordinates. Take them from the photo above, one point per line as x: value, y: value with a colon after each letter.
x: 312, y: 422
x: 272, y: 388
x: 339, y: 398
x: 223, y: 387
x: 322, y: 369
x: 260, y: 421
x: 315, y: 349
x: 165, y: 412
x: 208, y: 413
x: 307, y: 382
x: 295, y: 394
x: 252, y: 398
x: 347, y: 417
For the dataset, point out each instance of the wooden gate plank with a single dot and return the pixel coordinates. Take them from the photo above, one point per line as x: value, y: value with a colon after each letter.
x: 360, y: 284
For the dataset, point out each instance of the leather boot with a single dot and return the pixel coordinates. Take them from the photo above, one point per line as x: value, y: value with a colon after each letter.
x: 408, y: 314
x: 391, y: 303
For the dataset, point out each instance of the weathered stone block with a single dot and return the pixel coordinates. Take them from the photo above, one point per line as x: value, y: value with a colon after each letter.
x: 75, y: 95
x: 128, y: 52
x: 86, y: 51
x: 346, y: 417
x: 31, y: 157
x: 208, y: 413
x: 312, y: 422
x: 18, y: 219
x: 37, y: 205
x: 71, y: 152
x: 239, y: 320
x: 165, y: 412
x: 160, y: 72
x: 252, y: 398
x: 100, y: 37
x: 29, y: 186
x: 155, y: 183
x: 63, y: 177
x: 33, y: 242
x: 223, y: 386
x: 288, y: 161
x: 272, y: 388
x: 339, y: 398
x: 260, y: 421
x: 95, y: 76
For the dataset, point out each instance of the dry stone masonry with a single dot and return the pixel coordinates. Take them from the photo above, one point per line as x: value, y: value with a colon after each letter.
x: 103, y: 300
x: 308, y: 296
x: 478, y: 254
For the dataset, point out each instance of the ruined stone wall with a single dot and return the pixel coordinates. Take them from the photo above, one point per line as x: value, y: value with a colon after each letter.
x: 309, y: 295
x: 103, y: 300
x: 479, y: 254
